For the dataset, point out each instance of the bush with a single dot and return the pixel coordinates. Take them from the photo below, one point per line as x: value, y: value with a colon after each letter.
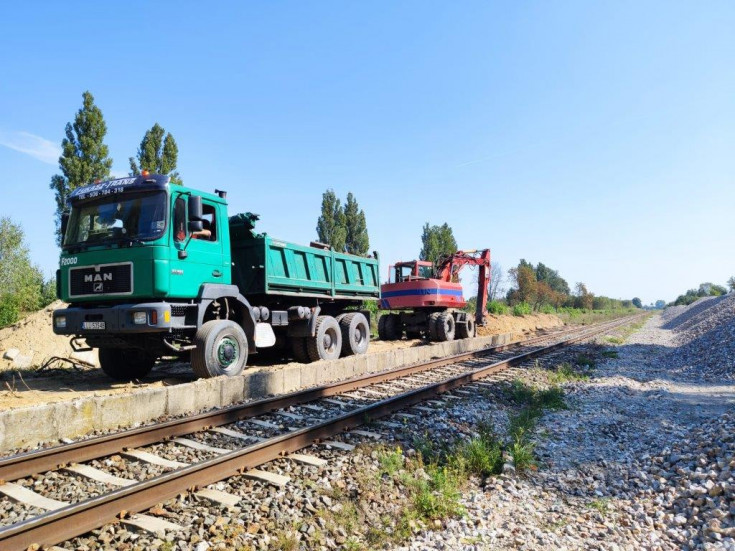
x: 498, y: 308
x: 9, y: 311
x: 522, y: 309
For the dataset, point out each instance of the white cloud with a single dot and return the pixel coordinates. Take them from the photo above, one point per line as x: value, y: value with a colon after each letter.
x: 30, y: 144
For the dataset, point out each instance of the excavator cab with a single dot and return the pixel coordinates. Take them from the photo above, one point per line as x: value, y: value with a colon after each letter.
x: 411, y: 271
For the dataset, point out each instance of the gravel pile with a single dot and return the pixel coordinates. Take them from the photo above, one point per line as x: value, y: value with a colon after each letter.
x: 705, y: 332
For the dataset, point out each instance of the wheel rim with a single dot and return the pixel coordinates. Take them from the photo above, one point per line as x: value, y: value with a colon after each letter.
x: 330, y: 340
x: 228, y: 352
x: 359, y: 335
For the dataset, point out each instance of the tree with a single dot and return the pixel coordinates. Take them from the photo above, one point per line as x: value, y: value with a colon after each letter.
x: 21, y: 282
x: 637, y: 302
x: 356, y: 241
x: 496, y: 280
x: 583, y: 298
x: 660, y: 304
x: 331, y: 227
x: 552, y: 278
x: 437, y: 241
x: 157, y: 153
x: 731, y: 283
x: 84, y: 155
x: 525, y: 284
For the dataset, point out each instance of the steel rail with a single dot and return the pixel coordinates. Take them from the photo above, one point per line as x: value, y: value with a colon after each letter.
x: 26, y: 464
x: 75, y: 519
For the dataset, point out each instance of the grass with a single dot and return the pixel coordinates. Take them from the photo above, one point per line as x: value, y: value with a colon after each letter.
x: 566, y: 373
x: 610, y: 354
x: 601, y: 505
x: 532, y: 402
x: 582, y: 316
x: 585, y: 360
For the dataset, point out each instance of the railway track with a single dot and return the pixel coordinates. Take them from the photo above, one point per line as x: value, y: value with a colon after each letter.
x: 235, y: 440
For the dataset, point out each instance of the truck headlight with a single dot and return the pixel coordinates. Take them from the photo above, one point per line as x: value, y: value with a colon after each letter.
x: 60, y: 322
x: 140, y: 318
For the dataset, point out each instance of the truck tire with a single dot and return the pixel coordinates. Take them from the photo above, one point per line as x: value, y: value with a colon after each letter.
x: 298, y: 348
x: 355, y: 333
x: 126, y: 364
x: 326, y: 344
x: 221, y: 349
x: 433, y: 324
x: 445, y: 327
x: 466, y: 329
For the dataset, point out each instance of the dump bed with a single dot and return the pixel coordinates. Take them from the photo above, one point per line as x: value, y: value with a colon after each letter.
x: 266, y: 266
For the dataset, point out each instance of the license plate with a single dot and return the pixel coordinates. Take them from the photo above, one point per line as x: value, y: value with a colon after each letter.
x: 96, y: 325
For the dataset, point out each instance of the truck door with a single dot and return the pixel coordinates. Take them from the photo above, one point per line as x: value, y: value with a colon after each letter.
x: 204, y: 254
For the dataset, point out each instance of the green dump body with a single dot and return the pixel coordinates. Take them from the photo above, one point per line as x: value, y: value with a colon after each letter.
x: 262, y: 265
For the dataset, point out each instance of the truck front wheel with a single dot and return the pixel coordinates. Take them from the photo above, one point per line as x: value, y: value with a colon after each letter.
x: 126, y: 364
x: 221, y: 349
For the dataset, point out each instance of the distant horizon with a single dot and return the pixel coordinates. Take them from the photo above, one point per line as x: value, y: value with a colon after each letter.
x: 595, y: 138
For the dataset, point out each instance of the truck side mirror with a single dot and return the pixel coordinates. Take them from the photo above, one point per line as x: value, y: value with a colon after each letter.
x: 195, y: 225
x: 64, y: 223
x: 195, y: 209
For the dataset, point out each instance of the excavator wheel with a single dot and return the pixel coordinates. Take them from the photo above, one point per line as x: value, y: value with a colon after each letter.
x: 445, y: 327
x: 433, y: 324
x: 466, y: 329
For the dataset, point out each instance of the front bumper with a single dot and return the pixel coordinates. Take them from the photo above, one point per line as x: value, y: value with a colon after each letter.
x: 115, y: 319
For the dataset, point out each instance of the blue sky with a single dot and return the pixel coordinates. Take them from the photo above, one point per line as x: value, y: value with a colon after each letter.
x: 596, y: 137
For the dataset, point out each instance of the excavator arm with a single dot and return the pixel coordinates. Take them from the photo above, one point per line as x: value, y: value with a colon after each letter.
x: 449, y: 266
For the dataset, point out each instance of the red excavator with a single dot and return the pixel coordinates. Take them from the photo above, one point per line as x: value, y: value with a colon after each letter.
x: 429, y: 298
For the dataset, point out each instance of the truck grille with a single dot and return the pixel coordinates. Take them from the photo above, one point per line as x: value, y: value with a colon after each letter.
x: 106, y: 279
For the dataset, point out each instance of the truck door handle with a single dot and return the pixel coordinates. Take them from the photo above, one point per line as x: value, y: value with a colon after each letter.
x: 217, y: 273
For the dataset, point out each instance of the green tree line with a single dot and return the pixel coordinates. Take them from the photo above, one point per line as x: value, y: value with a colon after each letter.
x: 22, y: 286
x: 344, y: 228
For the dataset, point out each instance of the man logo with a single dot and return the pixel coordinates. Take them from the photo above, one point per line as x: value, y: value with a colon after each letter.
x: 88, y: 278
x: 98, y: 287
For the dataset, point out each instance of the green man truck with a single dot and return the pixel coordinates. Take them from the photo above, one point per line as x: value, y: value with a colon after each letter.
x: 151, y: 269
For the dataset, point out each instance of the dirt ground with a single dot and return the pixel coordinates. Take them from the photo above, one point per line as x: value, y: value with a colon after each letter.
x: 496, y: 325
x: 26, y: 383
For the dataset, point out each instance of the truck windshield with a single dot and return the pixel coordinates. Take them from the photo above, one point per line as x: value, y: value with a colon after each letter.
x: 117, y: 218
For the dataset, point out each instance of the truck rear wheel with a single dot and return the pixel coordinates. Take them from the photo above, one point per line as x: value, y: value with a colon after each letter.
x: 326, y: 344
x: 299, y: 351
x: 126, y: 364
x: 355, y: 333
x: 466, y: 329
x: 221, y: 349
x: 445, y: 327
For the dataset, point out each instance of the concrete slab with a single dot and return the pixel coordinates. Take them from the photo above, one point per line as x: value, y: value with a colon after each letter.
x: 99, y: 475
x: 270, y: 478
x: 148, y: 457
x: 199, y: 446
x: 218, y: 496
x: 307, y: 459
x: 29, y: 497
x: 338, y: 445
x: 152, y: 524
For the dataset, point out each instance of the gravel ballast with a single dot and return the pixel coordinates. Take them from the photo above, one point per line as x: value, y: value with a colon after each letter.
x: 643, y: 457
